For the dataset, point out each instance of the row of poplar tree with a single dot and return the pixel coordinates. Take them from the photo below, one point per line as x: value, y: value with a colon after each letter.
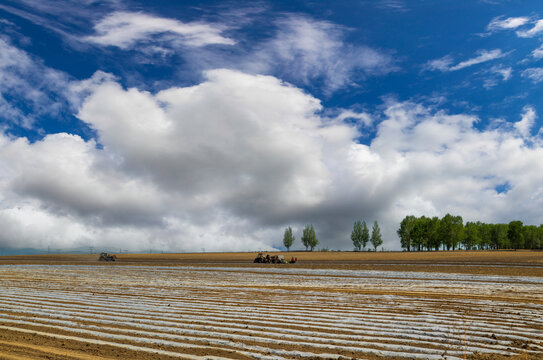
x: 360, y: 236
x: 309, y: 238
x: 450, y: 232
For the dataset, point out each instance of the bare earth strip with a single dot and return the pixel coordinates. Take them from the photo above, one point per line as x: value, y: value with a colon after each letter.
x: 328, y: 306
x: 520, y: 263
x: 27, y: 349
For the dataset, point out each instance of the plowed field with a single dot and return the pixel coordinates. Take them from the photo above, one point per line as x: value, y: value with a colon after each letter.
x: 212, y: 311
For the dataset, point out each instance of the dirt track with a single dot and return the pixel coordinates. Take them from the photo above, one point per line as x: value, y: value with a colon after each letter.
x: 200, y: 306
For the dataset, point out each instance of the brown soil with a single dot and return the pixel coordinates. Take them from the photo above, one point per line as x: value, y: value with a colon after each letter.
x: 517, y: 263
x: 521, y: 257
x: 502, y: 357
x: 18, y: 345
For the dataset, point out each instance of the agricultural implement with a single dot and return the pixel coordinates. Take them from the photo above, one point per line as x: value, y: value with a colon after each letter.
x: 273, y: 259
x: 107, y: 257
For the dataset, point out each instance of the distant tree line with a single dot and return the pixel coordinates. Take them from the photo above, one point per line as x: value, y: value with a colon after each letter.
x: 450, y: 233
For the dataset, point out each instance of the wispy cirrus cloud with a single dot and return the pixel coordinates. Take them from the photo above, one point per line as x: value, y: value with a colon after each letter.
x: 499, y: 23
x: 63, y: 17
x: 126, y: 29
x: 32, y: 88
x: 504, y: 72
x: 442, y: 64
x: 395, y: 5
x: 304, y: 49
x: 298, y: 48
x: 535, y: 74
x: 535, y: 30
x: 496, y: 74
x: 483, y: 56
x: 445, y: 63
x: 530, y: 26
x: 538, y: 53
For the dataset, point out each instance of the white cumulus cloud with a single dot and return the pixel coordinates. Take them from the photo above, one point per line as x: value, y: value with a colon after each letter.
x: 524, y: 126
x: 228, y: 163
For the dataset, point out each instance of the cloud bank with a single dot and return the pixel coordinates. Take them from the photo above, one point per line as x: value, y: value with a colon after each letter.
x: 229, y: 163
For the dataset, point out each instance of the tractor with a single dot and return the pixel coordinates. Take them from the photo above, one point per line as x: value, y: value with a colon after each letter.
x: 107, y: 257
x: 273, y: 259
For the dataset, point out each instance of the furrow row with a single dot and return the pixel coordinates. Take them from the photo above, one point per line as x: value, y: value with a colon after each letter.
x: 362, y: 312
x: 171, y: 326
x: 181, y: 341
x: 394, y: 322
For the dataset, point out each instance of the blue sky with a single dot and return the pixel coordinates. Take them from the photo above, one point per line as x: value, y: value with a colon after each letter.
x: 216, y: 124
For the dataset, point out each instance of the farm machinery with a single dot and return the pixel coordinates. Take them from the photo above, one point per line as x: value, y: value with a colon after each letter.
x: 107, y: 257
x: 273, y: 259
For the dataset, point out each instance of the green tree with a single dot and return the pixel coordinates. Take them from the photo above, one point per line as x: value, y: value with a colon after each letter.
x: 426, y: 233
x: 514, y: 233
x: 498, y: 236
x: 356, y: 235
x: 288, y: 238
x: 445, y: 231
x: 309, y: 238
x: 419, y: 233
x: 451, y: 231
x: 404, y: 232
x: 365, y: 234
x: 540, y: 237
x: 458, y: 231
x: 529, y: 233
x: 376, y: 239
x: 433, y: 236
x: 472, y: 236
x: 485, y: 231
